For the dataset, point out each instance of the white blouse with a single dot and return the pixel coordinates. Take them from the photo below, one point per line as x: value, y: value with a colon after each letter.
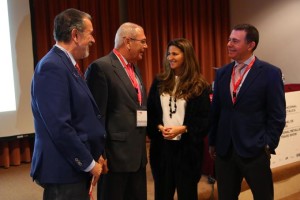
x: 178, y: 116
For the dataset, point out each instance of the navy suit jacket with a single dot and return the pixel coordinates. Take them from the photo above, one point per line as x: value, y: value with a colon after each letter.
x: 256, y: 119
x: 69, y: 132
x: 117, y: 100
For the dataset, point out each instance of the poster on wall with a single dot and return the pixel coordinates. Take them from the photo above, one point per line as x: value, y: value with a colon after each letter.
x: 288, y: 150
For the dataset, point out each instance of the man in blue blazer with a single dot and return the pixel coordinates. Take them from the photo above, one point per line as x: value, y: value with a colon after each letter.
x: 69, y: 132
x: 248, y: 118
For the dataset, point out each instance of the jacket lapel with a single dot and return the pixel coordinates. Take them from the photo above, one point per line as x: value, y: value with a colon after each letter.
x: 143, y: 91
x: 122, y: 75
x: 67, y: 61
x: 224, y: 82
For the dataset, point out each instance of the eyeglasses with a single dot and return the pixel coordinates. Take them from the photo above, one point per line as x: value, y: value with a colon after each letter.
x: 143, y: 42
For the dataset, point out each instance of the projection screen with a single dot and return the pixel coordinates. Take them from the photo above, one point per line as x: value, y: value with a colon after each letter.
x: 16, y: 69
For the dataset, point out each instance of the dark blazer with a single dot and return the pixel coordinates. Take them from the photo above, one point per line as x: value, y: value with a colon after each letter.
x: 69, y: 132
x: 117, y: 99
x: 256, y: 119
x: 196, y: 120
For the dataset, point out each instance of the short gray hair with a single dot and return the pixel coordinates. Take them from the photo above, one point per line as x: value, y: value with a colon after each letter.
x: 127, y: 29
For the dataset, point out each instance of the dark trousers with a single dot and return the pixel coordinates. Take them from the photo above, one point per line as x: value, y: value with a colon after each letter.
x: 123, y: 185
x: 169, y: 175
x: 74, y: 191
x: 231, y: 170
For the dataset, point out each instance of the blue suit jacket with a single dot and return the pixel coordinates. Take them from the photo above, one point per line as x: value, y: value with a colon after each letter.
x: 69, y: 132
x: 256, y: 119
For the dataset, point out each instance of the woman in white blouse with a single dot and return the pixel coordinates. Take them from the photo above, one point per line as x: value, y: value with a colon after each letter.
x: 178, y: 120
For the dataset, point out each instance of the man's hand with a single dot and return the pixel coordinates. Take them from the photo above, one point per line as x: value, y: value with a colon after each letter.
x: 103, y: 162
x: 96, y: 172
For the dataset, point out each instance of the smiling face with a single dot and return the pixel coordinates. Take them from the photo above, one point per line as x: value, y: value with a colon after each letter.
x: 85, y: 39
x: 176, y: 59
x: 138, y: 45
x: 238, y: 47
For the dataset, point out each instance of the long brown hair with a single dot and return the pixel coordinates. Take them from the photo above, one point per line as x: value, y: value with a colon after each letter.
x: 191, y: 82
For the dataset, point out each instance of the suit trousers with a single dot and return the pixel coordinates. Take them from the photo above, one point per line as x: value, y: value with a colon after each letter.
x: 169, y: 175
x: 231, y: 169
x: 74, y: 191
x: 123, y: 185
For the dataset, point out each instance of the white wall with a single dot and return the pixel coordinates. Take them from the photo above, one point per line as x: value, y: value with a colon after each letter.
x: 19, y: 121
x: 278, y: 22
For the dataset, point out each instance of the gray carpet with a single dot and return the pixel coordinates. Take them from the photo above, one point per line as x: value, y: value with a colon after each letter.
x: 16, y: 184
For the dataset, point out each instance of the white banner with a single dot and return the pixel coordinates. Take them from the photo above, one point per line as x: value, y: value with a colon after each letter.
x: 288, y: 150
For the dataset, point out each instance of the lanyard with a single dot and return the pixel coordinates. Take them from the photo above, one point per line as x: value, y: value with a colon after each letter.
x: 236, y: 84
x: 131, y: 75
x: 120, y: 57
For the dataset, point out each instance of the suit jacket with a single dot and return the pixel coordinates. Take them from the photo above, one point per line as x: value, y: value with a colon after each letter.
x: 117, y: 99
x: 191, y: 144
x: 256, y: 119
x: 69, y: 128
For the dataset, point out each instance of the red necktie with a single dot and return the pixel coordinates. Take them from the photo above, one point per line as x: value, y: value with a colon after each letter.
x: 131, y: 74
x: 79, y: 70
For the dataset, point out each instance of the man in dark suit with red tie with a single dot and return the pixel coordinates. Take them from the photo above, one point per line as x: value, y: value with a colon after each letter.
x: 248, y: 117
x: 69, y: 129
x: 117, y: 86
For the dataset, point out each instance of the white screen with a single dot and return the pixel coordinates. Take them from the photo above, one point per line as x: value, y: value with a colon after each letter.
x: 16, y: 68
x: 7, y: 88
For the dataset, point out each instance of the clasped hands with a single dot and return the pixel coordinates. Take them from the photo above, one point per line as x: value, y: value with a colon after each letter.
x: 170, y: 132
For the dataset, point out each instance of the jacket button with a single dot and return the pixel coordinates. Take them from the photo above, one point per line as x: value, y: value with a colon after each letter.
x: 78, y: 162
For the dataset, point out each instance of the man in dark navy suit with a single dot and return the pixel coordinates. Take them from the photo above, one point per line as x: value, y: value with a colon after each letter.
x: 69, y: 132
x: 248, y: 118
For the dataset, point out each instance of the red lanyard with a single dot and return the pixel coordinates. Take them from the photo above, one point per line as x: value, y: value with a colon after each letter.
x: 131, y: 74
x: 91, y: 189
x: 236, y: 84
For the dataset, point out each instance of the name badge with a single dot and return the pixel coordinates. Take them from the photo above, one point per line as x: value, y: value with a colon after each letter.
x: 141, y: 118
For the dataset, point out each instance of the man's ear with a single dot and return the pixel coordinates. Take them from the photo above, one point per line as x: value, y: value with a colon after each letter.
x: 74, y: 35
x: 251, y: 45
x: 127, y: 43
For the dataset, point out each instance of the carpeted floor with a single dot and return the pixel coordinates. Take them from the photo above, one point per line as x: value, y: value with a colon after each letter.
x: 16, y: 184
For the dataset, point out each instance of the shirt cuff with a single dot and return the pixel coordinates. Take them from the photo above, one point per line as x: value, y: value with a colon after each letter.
x: 90, y: 167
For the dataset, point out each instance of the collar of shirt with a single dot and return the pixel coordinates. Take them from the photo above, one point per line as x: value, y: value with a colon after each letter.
x: 247, y: 62
x: 67, y: 53
x: 120, y: 59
